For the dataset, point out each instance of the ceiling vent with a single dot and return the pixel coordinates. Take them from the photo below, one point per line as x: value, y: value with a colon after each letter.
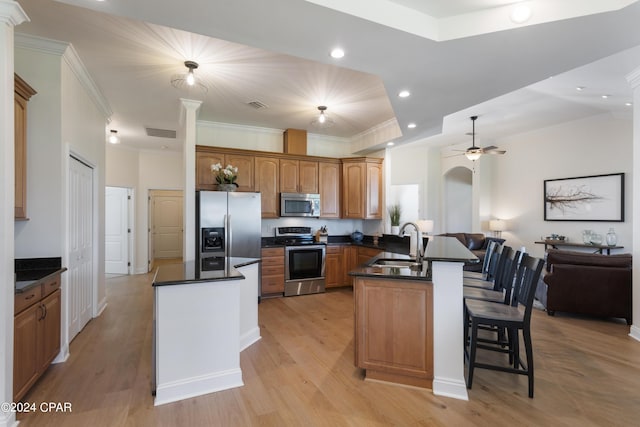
x: 257, y: 105
x: 161, y: 133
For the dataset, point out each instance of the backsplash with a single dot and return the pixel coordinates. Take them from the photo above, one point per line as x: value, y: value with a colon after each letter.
x: 335, y: 227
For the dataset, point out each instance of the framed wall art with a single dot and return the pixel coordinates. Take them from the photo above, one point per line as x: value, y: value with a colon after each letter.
x: 585, y: 198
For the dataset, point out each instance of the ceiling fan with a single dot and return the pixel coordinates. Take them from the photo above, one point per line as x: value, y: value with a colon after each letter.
x: 473, y: 153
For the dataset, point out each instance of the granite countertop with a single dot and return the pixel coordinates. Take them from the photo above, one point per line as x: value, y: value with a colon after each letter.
x: 205, y: 270
x: 31, y: 272
x: 388, y: 242
x: 446, y: 249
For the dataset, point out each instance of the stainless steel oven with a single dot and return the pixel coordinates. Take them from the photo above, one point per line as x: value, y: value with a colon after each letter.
x: 304, y: 269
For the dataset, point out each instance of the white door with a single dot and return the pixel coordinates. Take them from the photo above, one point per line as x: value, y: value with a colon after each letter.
x: 80, y: 268
x: 166, y: 223
x: 116, y: 230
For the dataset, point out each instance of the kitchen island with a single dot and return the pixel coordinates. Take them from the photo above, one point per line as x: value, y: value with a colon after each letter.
x: 205, y: 313
x: 408, y: 320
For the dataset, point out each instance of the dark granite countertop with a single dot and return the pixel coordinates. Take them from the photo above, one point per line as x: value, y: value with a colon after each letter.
x: 388, y: 242
x: 31, y: 272
x: 205, y: 270
x: 447, y: 249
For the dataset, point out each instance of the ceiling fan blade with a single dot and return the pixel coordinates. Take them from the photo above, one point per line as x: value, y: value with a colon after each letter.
x: 454, y: 155
x: 495, y: 152
x: 489, y: 148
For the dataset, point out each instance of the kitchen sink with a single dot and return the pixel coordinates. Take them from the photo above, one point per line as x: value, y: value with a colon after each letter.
x: 397, y: 263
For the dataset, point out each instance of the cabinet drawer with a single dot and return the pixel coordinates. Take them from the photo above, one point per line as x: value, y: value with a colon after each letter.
x: 26, y: 299
x: 269, y: 252
x: 272, y: 270
x: 273, y: 284
x: 50, y: 286
x: 334, y: 249
x: 273, y: 261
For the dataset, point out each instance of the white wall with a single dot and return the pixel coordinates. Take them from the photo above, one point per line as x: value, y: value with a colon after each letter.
x: 143, y: 171
x: 596, y: 145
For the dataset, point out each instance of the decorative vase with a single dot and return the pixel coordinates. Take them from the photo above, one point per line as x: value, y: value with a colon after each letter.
x: 586, y: 237
x: 395, y: 229
x: 612, y: 239
x: 227, y: 187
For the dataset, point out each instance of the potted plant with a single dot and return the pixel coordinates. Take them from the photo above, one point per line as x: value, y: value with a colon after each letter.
x: 394, y: 216
x: 225, y: 177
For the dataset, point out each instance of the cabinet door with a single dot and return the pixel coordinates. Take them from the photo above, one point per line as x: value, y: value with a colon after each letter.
x: 350, y: 263
x: 204, y: 176
x: 20, y: 122
x: 49, y: 330
x: 25, y: 350
x: 373, y: 203
x: 329, y: 189
x: 353, y: 185
x: 245, y: 165
x: 267, y: 183
x: 289, y: 176
x: 334, y: 267
x: 308, y: 177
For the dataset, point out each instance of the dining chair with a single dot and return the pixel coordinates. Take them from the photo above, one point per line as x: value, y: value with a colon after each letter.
x: 485, y: 273
x: 514, y: 318
x: 500, y: 255
x: 503, y: 285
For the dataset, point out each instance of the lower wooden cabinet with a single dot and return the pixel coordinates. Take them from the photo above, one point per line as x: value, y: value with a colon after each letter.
x: 272, y: 272
x: 334, y: 267
x: 36, y: 338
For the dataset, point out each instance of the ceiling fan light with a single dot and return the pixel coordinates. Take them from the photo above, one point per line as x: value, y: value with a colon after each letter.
x: 473, y: 155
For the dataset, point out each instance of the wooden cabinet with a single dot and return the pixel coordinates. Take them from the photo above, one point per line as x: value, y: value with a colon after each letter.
x: 298, y: 176
x: 244, y: 163
x: 36, y: 337
x: 267, y: 184
x: 295, y: 141
x: 22, y: 93
x: 350, y: 254
x: 334, y: 266
x: 384, y: 346
x: 329, y: 179
x: 362, y: 188
x: 272, y: 271
x: 365, y: 254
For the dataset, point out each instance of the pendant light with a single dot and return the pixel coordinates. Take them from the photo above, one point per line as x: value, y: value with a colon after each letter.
x: 113, y: 137
x: 322, y: 121
x: 188, y: 80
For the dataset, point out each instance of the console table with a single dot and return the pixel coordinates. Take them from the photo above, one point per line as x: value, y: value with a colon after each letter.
x: 557, y: 244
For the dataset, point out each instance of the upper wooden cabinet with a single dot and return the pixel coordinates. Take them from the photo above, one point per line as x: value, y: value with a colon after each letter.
x: 244, y: 163
x: 267, y: 183
x: 22, y: 93
x: 298, y: 176
x: 362, y: 195
x: 329, y: 178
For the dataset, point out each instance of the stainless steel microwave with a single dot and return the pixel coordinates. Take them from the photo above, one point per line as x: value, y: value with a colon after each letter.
x: 299, y: 204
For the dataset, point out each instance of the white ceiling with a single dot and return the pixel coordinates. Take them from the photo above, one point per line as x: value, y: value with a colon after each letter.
x: 276, y: 52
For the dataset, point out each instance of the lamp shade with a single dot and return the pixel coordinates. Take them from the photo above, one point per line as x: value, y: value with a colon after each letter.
x: 497, y: 225
x: 426, y: 225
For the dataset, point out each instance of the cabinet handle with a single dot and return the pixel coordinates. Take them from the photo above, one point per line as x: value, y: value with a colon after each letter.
x: 29, y: 297
x: 41, y: 307
x: 44, y: 308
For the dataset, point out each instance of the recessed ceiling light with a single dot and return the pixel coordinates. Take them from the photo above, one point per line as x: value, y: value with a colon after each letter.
x: 605, y: 96
x: 337, y: 53
x: 390, y: 143
x: 520, y: 13
x: 628, y: 104
x: 404, y: 93
x: 580, y: 88
x: 411, y: 125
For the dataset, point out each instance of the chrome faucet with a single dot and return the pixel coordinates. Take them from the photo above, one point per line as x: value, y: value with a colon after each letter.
x: 419, y: 249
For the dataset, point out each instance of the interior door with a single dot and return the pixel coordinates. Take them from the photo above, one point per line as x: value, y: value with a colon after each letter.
x: 80, y: 268
x: 166, y: 213
x: 116, y: 230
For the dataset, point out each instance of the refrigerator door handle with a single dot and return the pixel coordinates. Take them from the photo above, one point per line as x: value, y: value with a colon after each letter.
x: 229, y: 236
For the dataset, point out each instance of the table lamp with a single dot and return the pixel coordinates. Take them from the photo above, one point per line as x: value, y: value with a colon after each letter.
x: 497, y: 226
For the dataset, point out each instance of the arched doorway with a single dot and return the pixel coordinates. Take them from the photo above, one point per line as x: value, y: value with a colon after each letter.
x: 458, y: 200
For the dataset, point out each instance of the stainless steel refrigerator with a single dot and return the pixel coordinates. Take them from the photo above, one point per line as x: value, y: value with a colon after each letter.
x: 228, y: 224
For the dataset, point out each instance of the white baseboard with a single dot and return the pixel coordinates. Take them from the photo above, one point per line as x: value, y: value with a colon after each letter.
x: 250, y: 337
x: 63, y: 355
x: 450, y: 388
x: 634, y: 332
x: 197, y: 386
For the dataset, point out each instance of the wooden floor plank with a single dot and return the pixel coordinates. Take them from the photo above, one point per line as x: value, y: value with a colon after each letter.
x: 301, y: 373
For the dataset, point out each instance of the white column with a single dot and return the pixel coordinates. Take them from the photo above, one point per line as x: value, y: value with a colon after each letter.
x: 448, y: 348
x: 634, y: 80
x: 189, y: 156
x: 11, y: 14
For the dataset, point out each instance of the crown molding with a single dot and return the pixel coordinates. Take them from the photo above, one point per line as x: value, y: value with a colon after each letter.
x: 12, y: 13
x: 69, y: 55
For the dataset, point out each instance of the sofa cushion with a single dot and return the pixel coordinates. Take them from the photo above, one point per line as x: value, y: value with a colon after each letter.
x: 556, y: 256
x: 475, y: 241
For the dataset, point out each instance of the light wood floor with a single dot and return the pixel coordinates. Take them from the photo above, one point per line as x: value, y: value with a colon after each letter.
x: 301, y: 374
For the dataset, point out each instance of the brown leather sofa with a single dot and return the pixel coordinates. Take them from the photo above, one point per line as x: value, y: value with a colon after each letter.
x: 476, y: 243
x: 593, y: 284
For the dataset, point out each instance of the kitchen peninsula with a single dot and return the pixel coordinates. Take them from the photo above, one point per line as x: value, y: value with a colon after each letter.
x: 205, y: 313
x: 408, y: 321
